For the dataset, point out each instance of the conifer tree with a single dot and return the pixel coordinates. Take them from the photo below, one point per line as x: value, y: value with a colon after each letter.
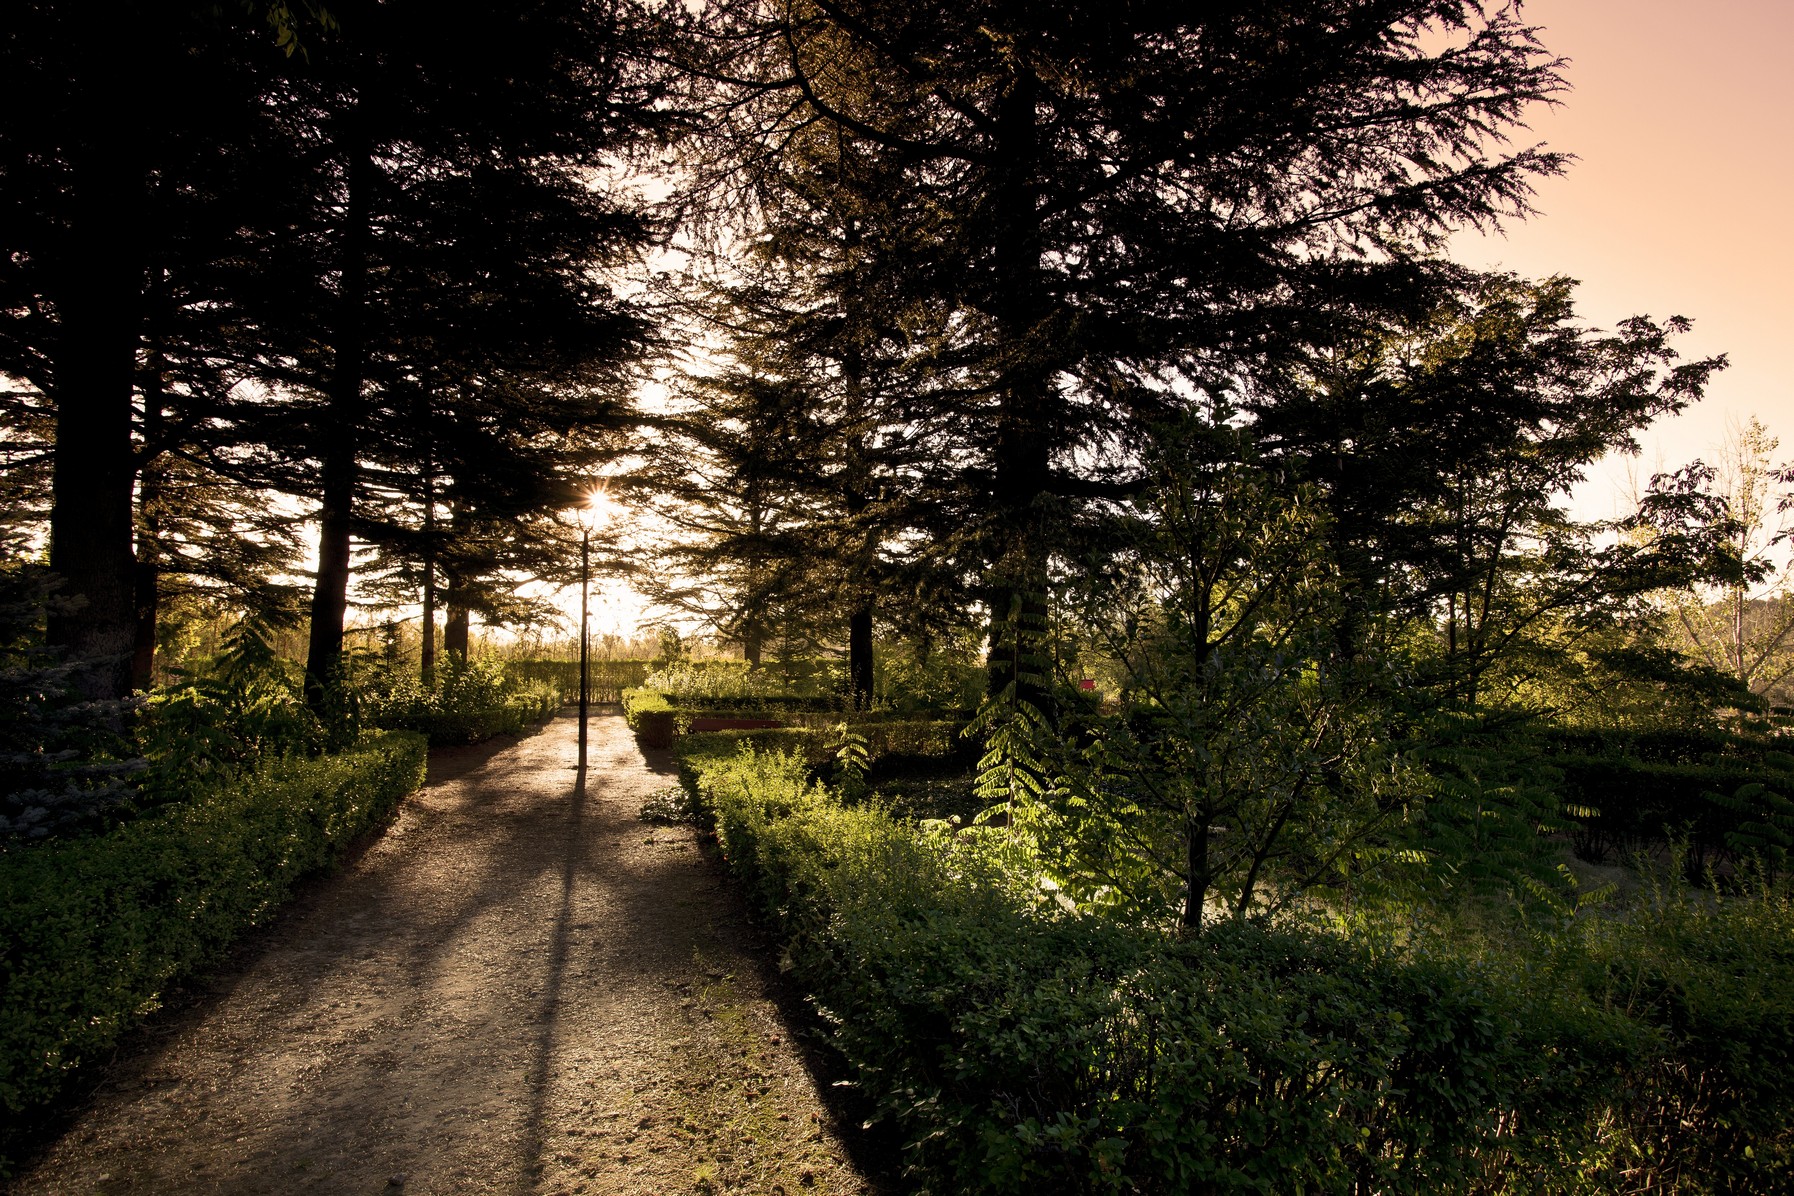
x: 1121, y: 196
x: 449, y: 214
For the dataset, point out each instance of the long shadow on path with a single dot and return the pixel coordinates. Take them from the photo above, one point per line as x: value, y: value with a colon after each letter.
x: 518, y: 988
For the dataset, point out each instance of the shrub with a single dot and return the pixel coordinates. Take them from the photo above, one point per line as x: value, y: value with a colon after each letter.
x: 1726, y: 807
x: 650, y: 716
x: 891, y: 746
x: 1017, y: 1048
x: 607, y: 678
x: 93, y: 931
x: 915, y: 682
x: 472, y: 700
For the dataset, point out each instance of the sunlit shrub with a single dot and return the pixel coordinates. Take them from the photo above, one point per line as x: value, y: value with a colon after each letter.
x: 1017, y: 1048
x: 471, y: 701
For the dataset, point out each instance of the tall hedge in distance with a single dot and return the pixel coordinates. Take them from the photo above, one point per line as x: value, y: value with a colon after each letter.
x: 94, y: 931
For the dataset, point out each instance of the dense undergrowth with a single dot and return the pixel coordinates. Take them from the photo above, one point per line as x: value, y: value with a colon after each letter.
x: 1015, y: 1045
x: 95, y: 930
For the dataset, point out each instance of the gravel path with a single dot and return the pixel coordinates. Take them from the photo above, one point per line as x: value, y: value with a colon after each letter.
x: 518, y: 988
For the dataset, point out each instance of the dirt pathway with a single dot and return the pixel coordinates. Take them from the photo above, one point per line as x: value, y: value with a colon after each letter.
x: 518, y: 988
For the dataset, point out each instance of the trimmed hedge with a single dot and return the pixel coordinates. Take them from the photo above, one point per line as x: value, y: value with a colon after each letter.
x: 891, y: 745
x: 93, y: 931
x: 516, y: 713
x: 1018, y: 1049
x: 607, y: 678
x: 1725, y: 807
x: 651, y: 717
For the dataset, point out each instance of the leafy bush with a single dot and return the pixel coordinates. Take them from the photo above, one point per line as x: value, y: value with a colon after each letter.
x: 65, y: 764
x: 228, y: 714
x: 914, y: 682
x: 1017, y: 1048
x: 730, y: 680
x: 1713, y: 978
x: 650, y: 716
x: 472, y: 700
x: 1726, y: 808
x: 607, y: 678
x: 93, y: 931
x: 891, y: 746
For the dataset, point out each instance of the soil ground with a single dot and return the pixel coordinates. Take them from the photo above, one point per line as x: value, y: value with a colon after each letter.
x: 517, y: 988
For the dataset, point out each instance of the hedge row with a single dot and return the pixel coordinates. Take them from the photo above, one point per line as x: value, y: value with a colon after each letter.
x: 655, y: 718
x: 515, y: 713
x: 1019, y: 1049
x: 1726, y: 808
x: 94, y: 931
x: 890, y: 746
x: 607, y: 679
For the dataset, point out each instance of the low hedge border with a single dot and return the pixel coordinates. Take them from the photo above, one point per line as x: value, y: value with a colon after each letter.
x: 93, y: 931
x: 516, y: 714
x: 891, y: 746
x: 1017, y: 1049
x: 1725, y: 808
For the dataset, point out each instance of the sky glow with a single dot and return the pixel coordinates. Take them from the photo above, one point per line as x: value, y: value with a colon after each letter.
x: 1679, y: 203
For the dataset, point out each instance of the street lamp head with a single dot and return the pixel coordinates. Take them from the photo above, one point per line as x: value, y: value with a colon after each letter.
x: 594, y: 512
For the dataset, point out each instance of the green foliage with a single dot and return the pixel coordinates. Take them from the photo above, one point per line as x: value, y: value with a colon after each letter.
x: 682, y: 679
x: 1713, y: 976
x: 650, y: 716
x: 65, y: 763
x: 94, y: 931
x: 886, y: 745
x: 1493, y: 806
x: 471, y: 700
x: 637, y: 702
x: 912, y: 681
x: 735, y: 685
x: 606, y: 678
x: 228, y: 713
x: 670, y: 806
x: 853, y: 757
x: 1725, y: 798
x: 1017, y: 1049
x: 1246, y: 759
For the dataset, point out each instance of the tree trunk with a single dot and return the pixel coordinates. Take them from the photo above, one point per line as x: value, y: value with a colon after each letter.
x: 148, y: 577
x: 100, y: 311
x: 1023, y: 442
x: 1197, y: 879
x: 456, y: 629
x: 330, y: 594
x: 859, y: 656
x: 427, y: 653
x: 427, y: 650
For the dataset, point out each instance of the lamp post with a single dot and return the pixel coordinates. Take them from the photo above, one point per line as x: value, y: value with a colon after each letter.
x: 590, y: 514
x: 585, y: 684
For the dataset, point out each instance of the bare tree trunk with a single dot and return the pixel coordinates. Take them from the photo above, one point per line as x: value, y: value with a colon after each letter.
x: 457, y: 628
x: 859, y: 656
x: 427, y: 650
x: 148, y: 576
x: 1197, y: 875
x: 330, y: 594
x: 1023, y: 442
x: 100, y: 309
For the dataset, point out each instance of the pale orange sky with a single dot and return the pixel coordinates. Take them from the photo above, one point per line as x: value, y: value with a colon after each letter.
x: 1683, y: 120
